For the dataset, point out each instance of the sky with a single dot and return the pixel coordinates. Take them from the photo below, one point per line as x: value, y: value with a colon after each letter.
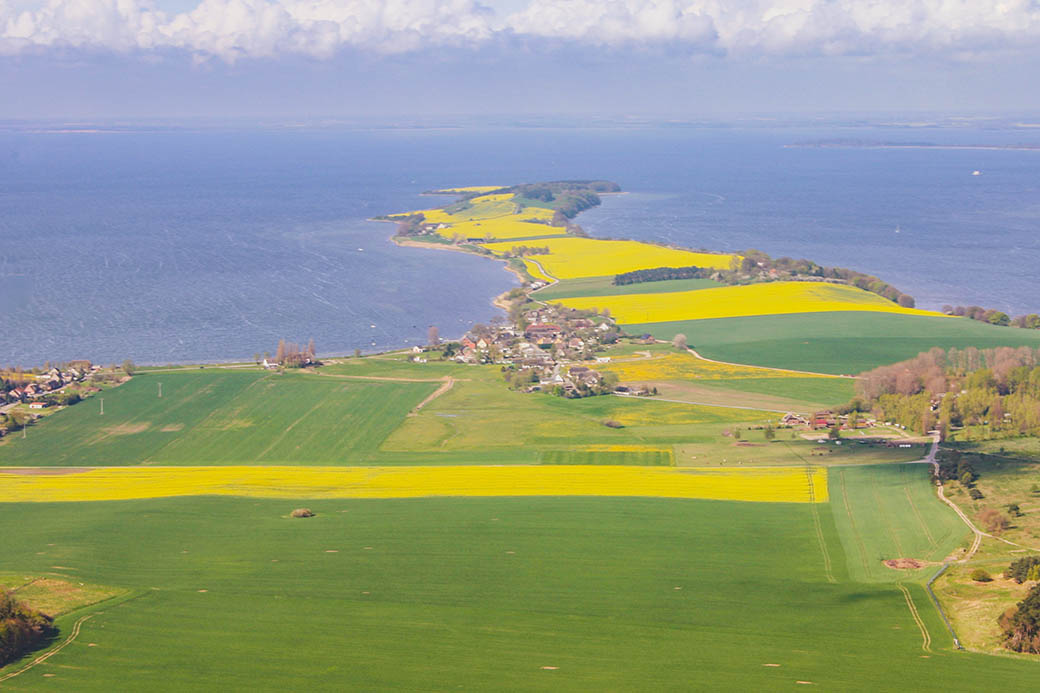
x: 401, y: 59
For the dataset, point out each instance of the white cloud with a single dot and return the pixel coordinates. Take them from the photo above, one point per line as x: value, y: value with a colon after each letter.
x: 231, y: 29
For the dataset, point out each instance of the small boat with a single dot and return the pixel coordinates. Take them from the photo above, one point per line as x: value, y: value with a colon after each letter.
x: 976, y: 172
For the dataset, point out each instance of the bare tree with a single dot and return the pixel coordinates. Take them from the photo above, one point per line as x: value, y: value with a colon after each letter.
x: 679, y: 342
x: 433, y: 336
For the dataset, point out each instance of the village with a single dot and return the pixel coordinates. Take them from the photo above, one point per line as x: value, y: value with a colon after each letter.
x: 549, y: 348
x: 40, y: 390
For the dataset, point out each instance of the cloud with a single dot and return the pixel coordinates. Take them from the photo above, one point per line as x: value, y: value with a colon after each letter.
x: 235, y: 29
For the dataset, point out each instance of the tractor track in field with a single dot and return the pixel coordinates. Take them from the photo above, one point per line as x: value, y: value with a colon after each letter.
x: 852, y: 522
x: 47, y: 655
x: 926, y: 638
x: 449, y: 383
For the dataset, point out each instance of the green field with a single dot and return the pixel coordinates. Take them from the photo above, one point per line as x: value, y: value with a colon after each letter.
x: 887, y: 512
x: 609, y: 594
x: 221, y: 417
x: 604, y: 286
x: 837, y: 343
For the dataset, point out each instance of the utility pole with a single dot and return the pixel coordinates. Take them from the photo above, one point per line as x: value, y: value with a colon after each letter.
x: 160, y: 390
x: 102, y: 406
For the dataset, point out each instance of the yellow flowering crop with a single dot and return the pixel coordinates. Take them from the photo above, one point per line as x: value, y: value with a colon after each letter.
x: 498, y: 197
x: 510, y: 227
x: 686, y: 366
x: 735, y: 301
x: 573, y: 257
x: 766, y: 484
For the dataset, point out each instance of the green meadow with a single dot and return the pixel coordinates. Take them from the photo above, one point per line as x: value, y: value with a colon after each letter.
x: 221, y: 416
x: 839, y: 343
x: 604, y: 286
x: 503, y: 593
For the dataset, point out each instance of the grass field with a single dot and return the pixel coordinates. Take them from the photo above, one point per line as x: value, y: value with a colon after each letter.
x: 740, y: 301
x: 781, y: 484
x: 603, y: 286
x: 574, y: 257
x: 221, y: 417
x: 891, y: 511
x: 842, y: 342
x: 506, y: 593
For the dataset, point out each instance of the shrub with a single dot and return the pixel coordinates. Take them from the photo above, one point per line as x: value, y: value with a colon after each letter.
x: 994, y: 520
x: 980, y: 575
x: 21, y: 628
x: 611, y: 423
x: 302, y: 512
x: 975, y: 494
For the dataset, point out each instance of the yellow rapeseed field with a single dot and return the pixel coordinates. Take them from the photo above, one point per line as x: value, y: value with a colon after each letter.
x: 686, y: 366
x: 491, y: 198
x: 765, y: 484
x: 735, y: 301
x: 509, y: 227
x: 573, y: 257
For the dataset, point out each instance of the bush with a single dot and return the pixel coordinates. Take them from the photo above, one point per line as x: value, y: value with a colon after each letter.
x: 611, y: 423
x: 21, y: 628
x: 302, y: 512
x: 994, y: 520
x: 975, y: 494
x: 980, y: 575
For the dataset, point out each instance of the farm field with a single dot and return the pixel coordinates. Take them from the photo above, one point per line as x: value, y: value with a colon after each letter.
x: 761, y: 484
x: 766, y: 394
x: 888, y: 512
x: 836, y: 342
x: 603, y: 286
x: 740, y: 301
x: 518, y: 593
x: 670, y: 364
x: 221, y: 417
x: 574, y: 257
x: 502, y: 228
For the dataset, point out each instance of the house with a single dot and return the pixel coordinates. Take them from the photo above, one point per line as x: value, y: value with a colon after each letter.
x: 824, y: 419
x: 541, y: 331
x: 269, y: 366
x: 791, y: 419
x: 416, y: 349
x: 37, y: 405
x: 468, y: 343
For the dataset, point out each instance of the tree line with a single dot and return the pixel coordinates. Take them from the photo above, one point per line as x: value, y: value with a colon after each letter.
x: 1021, y: 623
x: 292, y: 355
x: 994, y: 317
x: 660, y: 274
x: 955, y: 388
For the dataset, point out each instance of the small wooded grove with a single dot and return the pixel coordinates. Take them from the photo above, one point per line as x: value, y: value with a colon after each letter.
x: 959, y: 387
x: 1021, y: 623
x: 21, y: 628
x: 659, y: 274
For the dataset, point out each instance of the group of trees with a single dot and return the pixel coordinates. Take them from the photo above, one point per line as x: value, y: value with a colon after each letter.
x: 21, y: 628
x: 1021, y: 623
x: 959, y: 387
x: 754, y: 263
x: 411, y: 225
x: 521, y: 250
x: 994, y: 317
x: 659, y: 274
x: 292, y: 355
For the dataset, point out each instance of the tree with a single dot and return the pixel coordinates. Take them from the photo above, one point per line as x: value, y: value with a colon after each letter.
x: 310, y: 348
x: 128, y: 367
x: 256, y: 358
x: 357, y: 353
x: 679, y: 342
x: 770, y: 432
x: 279, y: 355
x: 835, y: 432
x: 433, y: 336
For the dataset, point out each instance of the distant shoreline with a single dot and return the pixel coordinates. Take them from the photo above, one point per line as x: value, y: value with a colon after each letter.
x: 913, y: 145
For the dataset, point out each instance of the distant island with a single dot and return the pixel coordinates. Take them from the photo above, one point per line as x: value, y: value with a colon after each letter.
x: 879, y: 144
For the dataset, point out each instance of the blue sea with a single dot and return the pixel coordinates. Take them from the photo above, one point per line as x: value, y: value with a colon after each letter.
x: 180, y: 246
